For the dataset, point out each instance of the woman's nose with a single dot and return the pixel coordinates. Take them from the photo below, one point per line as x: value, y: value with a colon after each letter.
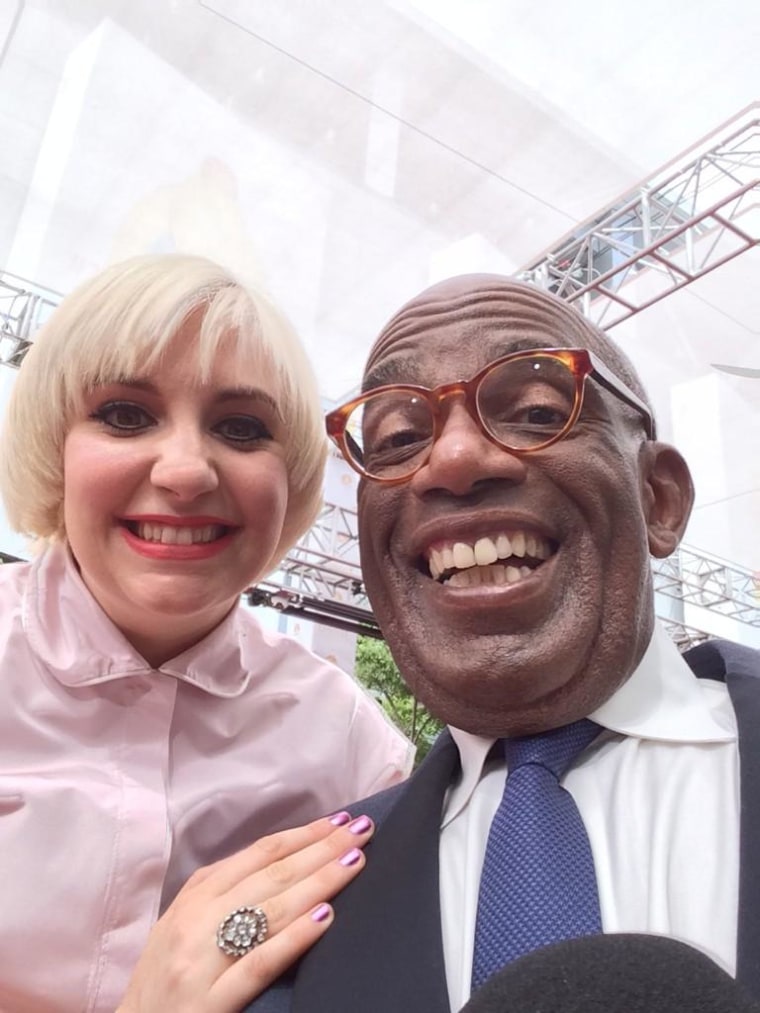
x: 184, y: 465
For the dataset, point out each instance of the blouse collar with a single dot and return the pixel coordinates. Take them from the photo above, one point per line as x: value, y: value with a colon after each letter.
x: 79, y: 644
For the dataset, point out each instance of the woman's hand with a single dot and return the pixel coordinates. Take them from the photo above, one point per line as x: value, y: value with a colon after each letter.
x: 290, y: 876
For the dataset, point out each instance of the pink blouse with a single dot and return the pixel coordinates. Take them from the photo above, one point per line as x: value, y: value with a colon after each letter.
x: 118, y: 780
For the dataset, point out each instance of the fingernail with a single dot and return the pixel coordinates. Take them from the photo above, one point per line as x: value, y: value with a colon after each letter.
x: 321, y: 913
x: 351, y: 857
x: 340, y: 819
x: 360, y: 825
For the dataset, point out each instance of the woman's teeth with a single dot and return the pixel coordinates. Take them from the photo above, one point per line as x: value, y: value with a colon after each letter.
x: 169, y: 534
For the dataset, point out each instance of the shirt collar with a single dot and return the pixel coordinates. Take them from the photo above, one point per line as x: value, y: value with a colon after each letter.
x: 80, y: 646
x: 662, y: 700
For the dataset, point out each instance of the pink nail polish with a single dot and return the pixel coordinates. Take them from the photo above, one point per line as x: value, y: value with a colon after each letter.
x: 350, y: 858
x: 340, y: 819
x: 321, y: 913
x: 360, y: 825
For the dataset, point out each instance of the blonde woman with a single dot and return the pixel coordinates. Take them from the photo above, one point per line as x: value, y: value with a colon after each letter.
x: 164, y: 445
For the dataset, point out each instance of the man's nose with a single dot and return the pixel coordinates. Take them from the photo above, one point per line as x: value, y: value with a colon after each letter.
x: 462, y: 458
x: 185, y: 465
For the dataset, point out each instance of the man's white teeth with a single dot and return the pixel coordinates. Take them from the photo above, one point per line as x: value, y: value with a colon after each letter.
x: 492, y: 574
x: 485, y: 552
x: 464, y: 556
x: 461, y: 556
x: 169, y: 534
x: 503, y: 547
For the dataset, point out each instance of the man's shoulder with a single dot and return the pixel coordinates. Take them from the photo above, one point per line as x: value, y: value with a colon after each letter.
x: 380, y: 804
x: 718, y: 659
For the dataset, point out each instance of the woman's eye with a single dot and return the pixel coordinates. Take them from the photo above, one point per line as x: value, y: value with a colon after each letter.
x: 123, y: 416
x: 243, y: 429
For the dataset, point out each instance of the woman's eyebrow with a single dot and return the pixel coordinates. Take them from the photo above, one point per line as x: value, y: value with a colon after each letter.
x: 224, y: 394
x: 246, y: 394
x: 255, y: 394
x: 131, y: 381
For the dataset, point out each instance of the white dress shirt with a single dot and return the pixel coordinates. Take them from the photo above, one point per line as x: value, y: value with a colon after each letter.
x: 659, y: 795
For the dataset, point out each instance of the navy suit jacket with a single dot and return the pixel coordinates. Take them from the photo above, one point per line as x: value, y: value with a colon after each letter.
x: 384, y: 953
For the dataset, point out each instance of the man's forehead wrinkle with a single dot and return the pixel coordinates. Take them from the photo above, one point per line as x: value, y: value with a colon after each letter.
x: 464, y: 290
x: 425, y: 313
x: 485, y: 314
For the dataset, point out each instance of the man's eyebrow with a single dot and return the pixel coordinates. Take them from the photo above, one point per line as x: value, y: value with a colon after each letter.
x: 524, y: 345
x: 390, y: 370
x: 386, y: 372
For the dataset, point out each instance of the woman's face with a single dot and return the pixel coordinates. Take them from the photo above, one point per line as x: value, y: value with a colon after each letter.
x: 175, y: 494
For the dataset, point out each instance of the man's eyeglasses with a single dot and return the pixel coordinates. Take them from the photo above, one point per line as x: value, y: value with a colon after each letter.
x: 522, y: 402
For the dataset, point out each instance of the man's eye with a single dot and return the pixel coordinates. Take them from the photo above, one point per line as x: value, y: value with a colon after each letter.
x: 542, y: 408
x: 401, y: 438
x: 396, y: 447
x: 544, y: 415
x: 243, y: 429
x: 123, y: 417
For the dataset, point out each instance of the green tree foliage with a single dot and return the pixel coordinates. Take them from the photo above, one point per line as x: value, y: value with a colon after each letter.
x: 376, y: 669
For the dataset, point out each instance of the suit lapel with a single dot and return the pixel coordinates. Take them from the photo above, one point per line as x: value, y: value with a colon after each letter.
x: 739, y: 668
x: 384, y: 951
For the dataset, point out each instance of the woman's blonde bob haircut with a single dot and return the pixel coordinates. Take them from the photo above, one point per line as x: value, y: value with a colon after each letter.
x: 117, y: 325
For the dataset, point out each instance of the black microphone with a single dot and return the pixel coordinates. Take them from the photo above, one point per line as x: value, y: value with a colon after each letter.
x: 616, y: 973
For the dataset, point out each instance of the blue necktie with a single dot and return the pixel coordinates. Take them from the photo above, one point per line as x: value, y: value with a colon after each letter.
x: 538, y: 884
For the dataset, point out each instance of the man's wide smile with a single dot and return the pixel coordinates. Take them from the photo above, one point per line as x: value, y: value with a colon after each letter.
x: 499, y: 558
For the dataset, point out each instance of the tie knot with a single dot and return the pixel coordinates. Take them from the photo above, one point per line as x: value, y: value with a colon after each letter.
x: 555, y: 749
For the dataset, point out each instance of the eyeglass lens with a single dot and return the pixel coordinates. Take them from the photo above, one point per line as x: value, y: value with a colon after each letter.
x: 522, y: 403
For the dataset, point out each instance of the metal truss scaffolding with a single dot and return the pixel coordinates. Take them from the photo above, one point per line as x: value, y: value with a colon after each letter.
x: 320, y: 578
x: 677, y: 226
x: 24, y: 307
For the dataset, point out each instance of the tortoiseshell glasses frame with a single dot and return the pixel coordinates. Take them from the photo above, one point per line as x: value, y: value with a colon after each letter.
x: 404, y: 459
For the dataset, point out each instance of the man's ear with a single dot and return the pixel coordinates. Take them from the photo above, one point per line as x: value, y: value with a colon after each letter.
x: 667, y: 496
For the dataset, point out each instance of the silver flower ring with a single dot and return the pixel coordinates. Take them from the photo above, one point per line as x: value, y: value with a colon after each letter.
x: 241, y: 931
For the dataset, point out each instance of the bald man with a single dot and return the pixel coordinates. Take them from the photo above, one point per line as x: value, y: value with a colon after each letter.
x: 512, y: 492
